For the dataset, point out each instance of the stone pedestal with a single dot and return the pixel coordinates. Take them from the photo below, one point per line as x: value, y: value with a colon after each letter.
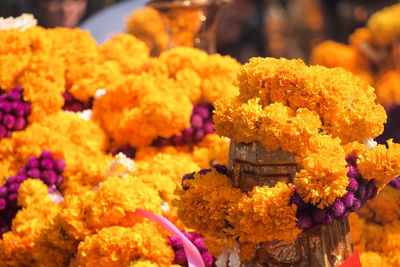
x: 251, y: 165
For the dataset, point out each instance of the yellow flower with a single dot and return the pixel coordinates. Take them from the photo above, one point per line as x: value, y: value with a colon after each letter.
x: 384, y: 25
x: 153, y: 34
x: 265, y: 214
x: 380, y: 163
x: 118, y: 246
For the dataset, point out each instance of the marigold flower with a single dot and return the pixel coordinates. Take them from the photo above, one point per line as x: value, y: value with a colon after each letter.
x: 145, y: 107
x: 384, y: 25
x: 266, y: 215
x: 147, y: 25
x: 118, y: 246
x: 380, y: 163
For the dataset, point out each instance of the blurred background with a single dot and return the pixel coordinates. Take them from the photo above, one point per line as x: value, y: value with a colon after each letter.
x: 247, y: 28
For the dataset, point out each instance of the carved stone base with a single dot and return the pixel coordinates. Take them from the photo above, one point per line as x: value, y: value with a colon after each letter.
x: 251, y: 165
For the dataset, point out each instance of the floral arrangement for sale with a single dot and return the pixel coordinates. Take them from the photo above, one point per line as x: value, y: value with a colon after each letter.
x: 327, y: 118
x: 65, y: 200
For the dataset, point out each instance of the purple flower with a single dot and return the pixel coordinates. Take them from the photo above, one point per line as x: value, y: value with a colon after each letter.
x: 338, y: 208
x: 59, y: 165
x: 180, y: 257
x: 46, y: 164
x: 304, y: 221
x: 353, y: 185
x: 222, y: 169
x: 348, y: 199
x: 196, y: 121
x: 185, y: 177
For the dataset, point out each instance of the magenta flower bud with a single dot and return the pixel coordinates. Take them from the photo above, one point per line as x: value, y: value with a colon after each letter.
x: 1, y: 115
x: 361, y: 191
x: 352, y: 159
x: 199, y: 243
x: 199, y: 135
x: 59, y: 165
x: 208, y: 127
x: 188, y: 134
x: 165, y: 142
x: 298, y: 201
x: 20, y: 178
x: 3, y: 131
x: 352, y: 172
x: 3, y: 191
x: 22, y: 172
x: 11, y: 180
x: 202, y: 111
x: 304, y: 221
x: 353, y: 185
x: 13, y: 188
x: 4, y: 229
x: 46, y: 155
x: 190, y: 235
x: 32, y: 163
x: 33, y: 173
x: 208, y: 259
x: 328, y: 219
x: 319, y: 215
x: 59, y: 180
x: 48, y: 177
x: 345, y: 215
x: 177, y: 139
x: 5, y: 106
x: 8, y: 121
x: 338, y: 208
x: 46, y: 164
x: 17, y: 108
x: 175, y: 242
x: 3, y: 204
x: 8, y: 133
x: 19, y: 124
x: 370, y: 188
x: 197, y: 121
x: 180, y: 257
x: 395, y: 183
x: 27, y: 108
x: 14, y: 95
x: 12, y: 199
x: 356, y: 206
x: 348, y: 199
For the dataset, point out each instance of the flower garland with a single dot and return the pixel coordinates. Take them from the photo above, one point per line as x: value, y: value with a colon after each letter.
x: 278, y: 106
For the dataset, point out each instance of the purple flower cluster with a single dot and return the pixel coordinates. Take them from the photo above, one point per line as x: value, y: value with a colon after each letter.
x: 359, y: 191
x: 198, y: 241
x: 75, y: 105
x: 45, y: 168
x: 14, y: 112
x: 201, y: 125
x: 222, y: 169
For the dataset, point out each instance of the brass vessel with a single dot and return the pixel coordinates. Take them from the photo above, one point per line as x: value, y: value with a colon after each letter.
x: 251, y: 165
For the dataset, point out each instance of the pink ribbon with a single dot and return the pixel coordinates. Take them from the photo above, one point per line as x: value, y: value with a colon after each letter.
x: 192, y: 253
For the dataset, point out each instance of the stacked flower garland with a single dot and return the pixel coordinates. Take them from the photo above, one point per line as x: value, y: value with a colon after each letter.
x: 323, y: 116
x: 66, y: 200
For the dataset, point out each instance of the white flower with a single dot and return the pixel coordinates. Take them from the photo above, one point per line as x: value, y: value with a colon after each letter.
x: 85, y: 114
x: 99, y: 93
x: 22, y: 22
x: 56, y: 197
x: 120, y: 166
x: 230, y: 257
x: 370, y: 143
